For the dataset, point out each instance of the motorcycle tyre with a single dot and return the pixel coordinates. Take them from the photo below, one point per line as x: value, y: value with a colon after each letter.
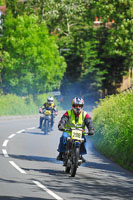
x: 42, y: 128
x: 74, y: 164
x: 46, y: 127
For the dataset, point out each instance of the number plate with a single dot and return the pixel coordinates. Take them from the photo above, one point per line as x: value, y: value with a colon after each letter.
x: 76, y: 134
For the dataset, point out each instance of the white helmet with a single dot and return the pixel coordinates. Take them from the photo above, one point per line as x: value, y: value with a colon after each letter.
x: 50, y: 100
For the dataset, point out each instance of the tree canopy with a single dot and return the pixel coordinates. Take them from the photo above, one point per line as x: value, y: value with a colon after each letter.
x: 97, y: 57
x: 30, y: 57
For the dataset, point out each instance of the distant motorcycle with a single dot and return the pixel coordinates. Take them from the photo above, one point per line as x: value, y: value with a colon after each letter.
x: 46, y: 124
x: 48, y: 116
x: 71, y: 158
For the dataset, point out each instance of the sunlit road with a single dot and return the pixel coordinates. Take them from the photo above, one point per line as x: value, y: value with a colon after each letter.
x: 29, y: 170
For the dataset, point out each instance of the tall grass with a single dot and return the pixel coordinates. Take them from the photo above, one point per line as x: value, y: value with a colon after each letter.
x: 113, y: 121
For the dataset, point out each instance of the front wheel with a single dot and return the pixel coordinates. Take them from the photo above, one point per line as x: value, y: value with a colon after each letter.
x: 46, y: 127
x: 68, y: 166
x: 74, y: 164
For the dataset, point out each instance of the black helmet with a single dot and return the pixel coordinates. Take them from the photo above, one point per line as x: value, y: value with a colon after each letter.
x: 77, y: 105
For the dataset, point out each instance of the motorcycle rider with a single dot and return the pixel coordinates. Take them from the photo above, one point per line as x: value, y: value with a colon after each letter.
x: 49, y: 105
x: 75, y: 117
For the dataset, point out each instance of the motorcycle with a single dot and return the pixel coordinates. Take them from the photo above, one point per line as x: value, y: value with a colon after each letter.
x: 46, y: 124
x: 48, y: 114
x: 71, y: 158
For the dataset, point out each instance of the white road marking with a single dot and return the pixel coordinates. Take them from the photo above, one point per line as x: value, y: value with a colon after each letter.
x: 21, y: 131
x: 11, y: 136
x: 31, y: 128
x: 47, y: 190
x: 17, y: 167
x: 5, y: 153
x: 5, y: 143
x: 22, y: 171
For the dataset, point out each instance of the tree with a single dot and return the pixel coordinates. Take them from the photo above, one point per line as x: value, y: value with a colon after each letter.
x: 31, y: 61
x: 98, y: 58
x: 120, y: 35
x: 115, y: 37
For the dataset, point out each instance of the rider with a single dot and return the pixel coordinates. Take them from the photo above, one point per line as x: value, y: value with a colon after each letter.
x: 49, y: 105
x: 75, y: 117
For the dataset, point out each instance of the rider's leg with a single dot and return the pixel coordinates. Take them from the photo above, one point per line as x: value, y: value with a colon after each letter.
x: 41, y: 120
x: 83, y: 149
x: 61, y: 148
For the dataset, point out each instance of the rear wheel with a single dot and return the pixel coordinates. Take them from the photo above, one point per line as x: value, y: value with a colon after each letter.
x: 74, y: 164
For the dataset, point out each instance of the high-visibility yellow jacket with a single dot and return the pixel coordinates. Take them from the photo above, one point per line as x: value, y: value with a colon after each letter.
x: 72, y: 123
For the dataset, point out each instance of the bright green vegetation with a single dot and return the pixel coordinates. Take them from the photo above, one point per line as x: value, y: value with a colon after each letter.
x: 30, y: 60
x: 14, y: 105
x: 113, y: 120
x: 46, y: 44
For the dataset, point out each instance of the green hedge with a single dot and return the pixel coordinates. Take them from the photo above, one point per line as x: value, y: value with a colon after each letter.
x: 15, y: 105
x: 113, y: 121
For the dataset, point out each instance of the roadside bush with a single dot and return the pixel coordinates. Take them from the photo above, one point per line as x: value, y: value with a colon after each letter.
x: 113, y: 121
x: 42, y: 98
x: 14, y: 105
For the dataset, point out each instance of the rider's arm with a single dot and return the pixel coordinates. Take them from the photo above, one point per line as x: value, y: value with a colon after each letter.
x: 43, y: 106
x: 55, y: 109
x: 63, y: 121
x: 89, y: 124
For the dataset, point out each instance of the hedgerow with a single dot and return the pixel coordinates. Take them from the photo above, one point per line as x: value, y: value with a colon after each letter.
x: 113, y: 121
x: 12, y: 104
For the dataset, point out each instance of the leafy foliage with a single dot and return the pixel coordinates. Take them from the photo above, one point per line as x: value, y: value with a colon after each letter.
x: 113, y: 121
x: 14, y: 105
x: 120, y: 35
x: 26, y: 105
x: 31, y: 61
x: 97, y: 57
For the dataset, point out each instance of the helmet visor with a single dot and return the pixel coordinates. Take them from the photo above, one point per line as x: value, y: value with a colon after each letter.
x: 78, y: 105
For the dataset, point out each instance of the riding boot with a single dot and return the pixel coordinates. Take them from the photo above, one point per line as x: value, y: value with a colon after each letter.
x: 83, y: 159
x: 59, y: 157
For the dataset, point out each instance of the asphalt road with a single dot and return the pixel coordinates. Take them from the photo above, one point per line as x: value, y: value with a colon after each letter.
x: 29, y: 170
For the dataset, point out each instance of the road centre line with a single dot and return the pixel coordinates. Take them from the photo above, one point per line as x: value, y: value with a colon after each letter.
x: 31, y: 128
x: 23, y: 172
x: 5, y: 143
x: 11, y: 136
x: 5, y: 153
x: 47, y: 190
x: 17, y: 167
x: 21, y: 131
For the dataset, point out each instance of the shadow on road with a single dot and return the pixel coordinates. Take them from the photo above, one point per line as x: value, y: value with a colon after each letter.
x: 20, y: 198
x: 36, y: 133
x: 106, y: 166
x: 34, y: 158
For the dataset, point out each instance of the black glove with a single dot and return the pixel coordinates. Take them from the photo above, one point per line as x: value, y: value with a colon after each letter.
x: 61, y: 127
x: 91, y: 132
